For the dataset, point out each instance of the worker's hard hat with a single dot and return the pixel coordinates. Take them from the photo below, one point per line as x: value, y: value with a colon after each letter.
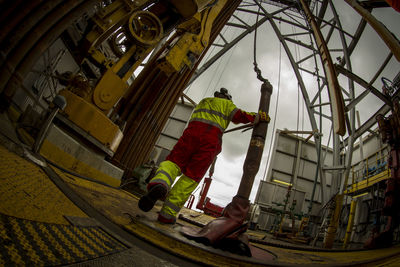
x: 224, y: 92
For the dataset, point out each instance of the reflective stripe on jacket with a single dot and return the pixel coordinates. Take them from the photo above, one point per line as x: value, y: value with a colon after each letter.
x: 215, y: 111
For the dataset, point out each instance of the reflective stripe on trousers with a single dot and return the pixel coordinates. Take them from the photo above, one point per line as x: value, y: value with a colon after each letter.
x: 178, y: 196
x: 165, y: 174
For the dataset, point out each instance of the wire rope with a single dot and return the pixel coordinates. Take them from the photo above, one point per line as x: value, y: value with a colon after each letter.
x: 212, y: 78
x: 229, y: 58
x: 223, y: 70
x: 276, y: 107
x: 256, y: 69
x: 207, y: 57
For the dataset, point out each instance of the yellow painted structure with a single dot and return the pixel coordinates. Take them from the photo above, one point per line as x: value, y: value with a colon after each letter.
x: 361, y: 185
x: 67, y: 161
x: 190, y: 46
x: 109, y: 90
x: 27, y: 193
x: 333, y: 222
x: 350, y: 223
x: 100, y: 127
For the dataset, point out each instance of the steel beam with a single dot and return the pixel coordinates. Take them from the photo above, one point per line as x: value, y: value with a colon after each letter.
x: 363, y: 83
x: 333, y: 84
x: 391, y: 42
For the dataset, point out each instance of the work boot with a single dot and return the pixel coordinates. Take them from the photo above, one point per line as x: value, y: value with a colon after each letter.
x: 177, y: 197
x: 230, y: 225
x: 155, y: 193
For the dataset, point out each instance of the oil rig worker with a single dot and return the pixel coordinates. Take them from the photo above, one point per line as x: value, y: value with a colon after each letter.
x: 193, y: 154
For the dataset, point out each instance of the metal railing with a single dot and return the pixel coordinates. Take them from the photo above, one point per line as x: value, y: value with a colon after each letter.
x: 369, y: 167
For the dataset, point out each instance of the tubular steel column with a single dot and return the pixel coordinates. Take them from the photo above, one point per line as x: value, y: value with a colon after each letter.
x: 256, y: 148
x: 350, y: 223
x: 151, y: 98
x: 227, y: 232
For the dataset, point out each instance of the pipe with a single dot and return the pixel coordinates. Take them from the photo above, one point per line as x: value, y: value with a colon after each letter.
x: 35, y: 35
x: 256, y: 147
x: 19, y: 34
x: 350, y: 223
x: 330, y: 234
x: 45, y: 41
x: 15, y: 16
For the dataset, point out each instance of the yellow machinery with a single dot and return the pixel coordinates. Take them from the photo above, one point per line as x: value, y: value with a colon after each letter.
x: 132, y: 30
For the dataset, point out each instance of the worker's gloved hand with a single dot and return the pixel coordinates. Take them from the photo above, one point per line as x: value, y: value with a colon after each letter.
x: 261, y: 116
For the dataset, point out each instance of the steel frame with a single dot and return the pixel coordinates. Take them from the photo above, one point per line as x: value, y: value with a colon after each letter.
x: 329, y: 23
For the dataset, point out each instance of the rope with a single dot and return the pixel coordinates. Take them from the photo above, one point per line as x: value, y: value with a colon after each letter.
x: 276, y: 106
x: 256, y: 69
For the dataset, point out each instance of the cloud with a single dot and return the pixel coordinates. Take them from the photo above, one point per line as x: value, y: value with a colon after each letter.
x: 235, y: 72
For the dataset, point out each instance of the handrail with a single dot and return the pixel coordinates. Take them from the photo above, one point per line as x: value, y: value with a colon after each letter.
x: 372, y: 167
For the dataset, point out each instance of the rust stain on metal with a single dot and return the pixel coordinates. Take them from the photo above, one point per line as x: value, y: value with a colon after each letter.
x: 257, y: 142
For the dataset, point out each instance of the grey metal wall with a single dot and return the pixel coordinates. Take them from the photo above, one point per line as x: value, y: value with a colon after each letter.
x: 173, y: 129
x: 294, y: 161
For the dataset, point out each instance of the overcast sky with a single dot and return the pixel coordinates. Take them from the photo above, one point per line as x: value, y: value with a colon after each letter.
x: 235, y: 72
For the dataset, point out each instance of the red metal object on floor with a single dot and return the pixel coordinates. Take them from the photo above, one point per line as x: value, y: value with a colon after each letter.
x: 212, y: 209
x: 204, y: 202
x: 190, y: 202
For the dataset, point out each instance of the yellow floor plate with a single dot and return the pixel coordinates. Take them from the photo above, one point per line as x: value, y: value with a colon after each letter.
x: 27, y: 192
x: 35, y: 229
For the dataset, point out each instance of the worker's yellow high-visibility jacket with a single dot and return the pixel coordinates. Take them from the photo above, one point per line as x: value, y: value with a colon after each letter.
x: 219, y: 112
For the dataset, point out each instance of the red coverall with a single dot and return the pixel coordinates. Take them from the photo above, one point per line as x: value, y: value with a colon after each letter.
x: 200, y: 144
x: 195, y: 151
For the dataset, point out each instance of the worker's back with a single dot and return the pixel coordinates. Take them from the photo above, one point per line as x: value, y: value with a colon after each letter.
x: 214, y: 111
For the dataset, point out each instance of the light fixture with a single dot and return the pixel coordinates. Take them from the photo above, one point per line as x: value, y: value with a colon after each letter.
x: 281, y: 182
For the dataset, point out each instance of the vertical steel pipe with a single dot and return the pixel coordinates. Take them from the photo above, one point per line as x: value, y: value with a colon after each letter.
x: 350, y: 223
x: 151, y: 99
x: 256, y: 147
x: 14, y: 16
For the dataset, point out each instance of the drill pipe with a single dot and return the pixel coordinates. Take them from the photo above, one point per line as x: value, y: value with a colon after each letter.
x: 29, y: 28
x: 256, y: 147
x: 163, y: 117
x: 12, y: 16
x: 148, y: 128
x: 138, y: 86
x: 132, y: 110
x: 137, y: 143
x: 8, y: 9
x: 139, y: 111
x: 21, y: 53
x: 157, y: 121
x: 59, y: 20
